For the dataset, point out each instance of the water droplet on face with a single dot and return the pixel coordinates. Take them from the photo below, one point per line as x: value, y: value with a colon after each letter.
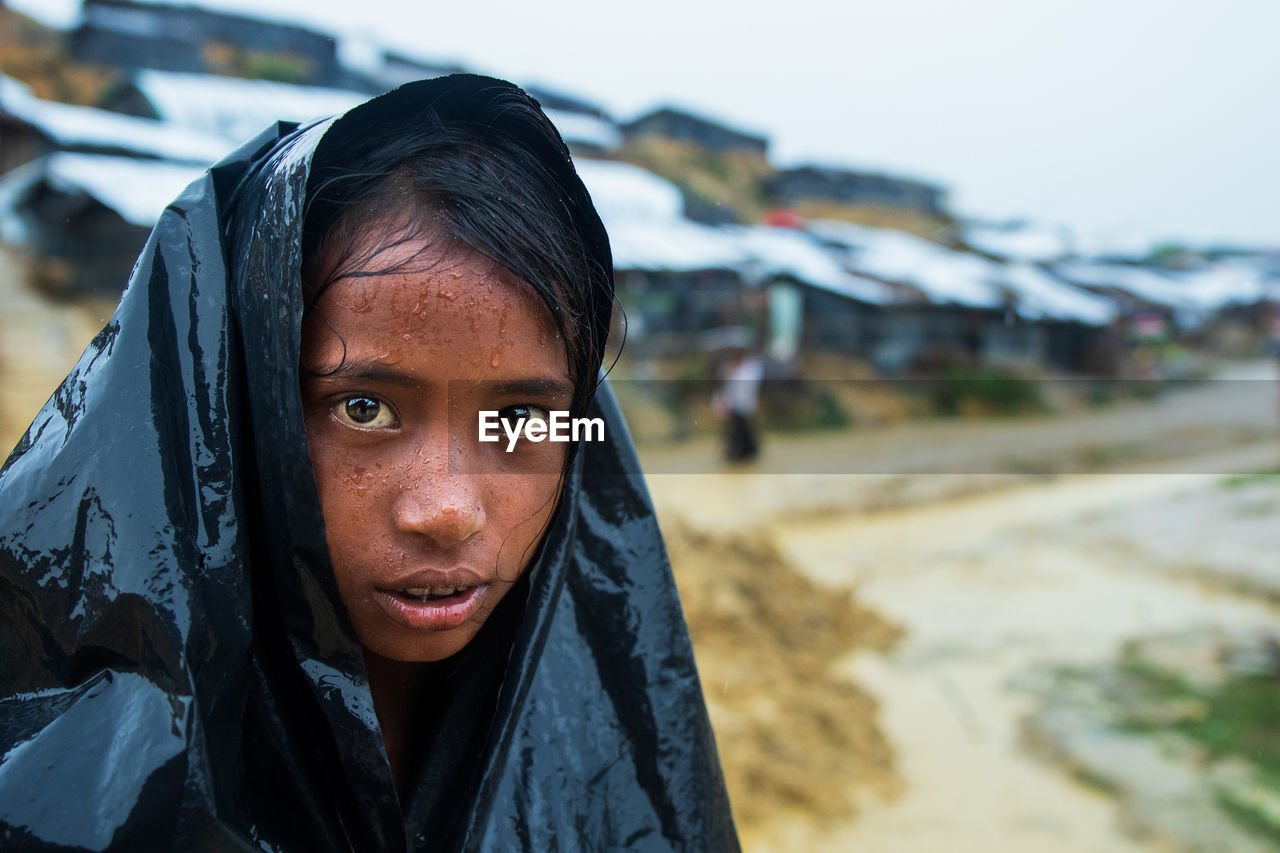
x: 406, y: 336
x: 495, y: 359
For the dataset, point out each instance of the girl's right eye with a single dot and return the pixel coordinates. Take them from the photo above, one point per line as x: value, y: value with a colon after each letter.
x: 365, y: 413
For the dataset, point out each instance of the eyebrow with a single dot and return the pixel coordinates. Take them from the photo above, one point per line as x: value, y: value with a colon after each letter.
x: 368, y: 371
x: 533, y: 386
x: 371, y: 371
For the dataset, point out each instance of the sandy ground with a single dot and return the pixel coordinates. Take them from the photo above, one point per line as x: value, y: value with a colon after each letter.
x: 40, y: 341
x: 988, y: 577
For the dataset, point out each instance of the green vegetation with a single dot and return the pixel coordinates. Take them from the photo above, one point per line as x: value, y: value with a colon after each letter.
x: 977, y: 390
x: 1239, y: 481
x: 1236, y: 720
x: 797, y: 405
x: 1255, y: 810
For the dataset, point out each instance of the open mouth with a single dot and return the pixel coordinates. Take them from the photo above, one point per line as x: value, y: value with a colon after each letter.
x: 423, y: 593
x: 432, y: 608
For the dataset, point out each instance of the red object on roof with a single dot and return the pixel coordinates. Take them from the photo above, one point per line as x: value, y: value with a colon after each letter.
x: 782, y: 218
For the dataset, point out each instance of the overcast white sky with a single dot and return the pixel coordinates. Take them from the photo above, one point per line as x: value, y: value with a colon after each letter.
x: 1155, y: 119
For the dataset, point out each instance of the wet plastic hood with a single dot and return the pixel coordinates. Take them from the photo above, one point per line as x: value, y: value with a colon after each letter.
x: 177, y: 671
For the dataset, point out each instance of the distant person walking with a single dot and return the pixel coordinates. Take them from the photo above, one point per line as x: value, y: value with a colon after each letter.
x: 736, y: 403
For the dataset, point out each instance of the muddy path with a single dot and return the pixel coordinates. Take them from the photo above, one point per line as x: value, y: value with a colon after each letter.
x: 989, y: 578
x: 985, y: 591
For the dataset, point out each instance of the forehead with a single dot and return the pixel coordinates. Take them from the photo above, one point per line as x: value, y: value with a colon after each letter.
x: 432, y: 305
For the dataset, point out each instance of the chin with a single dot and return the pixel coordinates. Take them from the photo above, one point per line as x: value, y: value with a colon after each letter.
x: 444, y: 644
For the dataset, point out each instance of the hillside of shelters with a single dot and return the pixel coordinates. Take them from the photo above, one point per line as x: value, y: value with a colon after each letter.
x: 822, y: 269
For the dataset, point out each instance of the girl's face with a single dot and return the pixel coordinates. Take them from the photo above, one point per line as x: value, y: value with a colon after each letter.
x: 427, y: 527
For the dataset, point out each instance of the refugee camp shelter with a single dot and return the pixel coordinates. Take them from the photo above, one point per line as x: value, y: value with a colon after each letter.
x: 958, y: 306
x: 182, y: 37
x: 681, y: 126
x: 31, y: 127
x: 86, y: 217
x: 790, y: 187
x: 232, y: 108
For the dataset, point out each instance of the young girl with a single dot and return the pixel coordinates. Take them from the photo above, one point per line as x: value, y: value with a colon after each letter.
x: 262, y: 586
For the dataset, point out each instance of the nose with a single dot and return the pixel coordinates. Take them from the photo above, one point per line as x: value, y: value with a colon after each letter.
x: 443, y: 505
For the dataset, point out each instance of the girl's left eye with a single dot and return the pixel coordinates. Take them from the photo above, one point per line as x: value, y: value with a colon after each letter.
x: 365, y: 413
x: 524, y: 412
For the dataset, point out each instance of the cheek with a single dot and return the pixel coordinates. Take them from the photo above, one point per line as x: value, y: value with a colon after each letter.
x: 522, y: 511
x: 347, y: 486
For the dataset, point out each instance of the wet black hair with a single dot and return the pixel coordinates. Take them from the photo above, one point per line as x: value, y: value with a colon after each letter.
x: 493, y: 177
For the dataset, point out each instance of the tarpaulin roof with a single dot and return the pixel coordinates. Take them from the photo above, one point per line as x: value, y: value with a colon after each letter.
x: 138, y: 190
x: 71, y: 126
x: 648, y: 231
x: 1197, y: 291
x: 579, y: 127
x: 944, y: 276
x: 236, y: 108
x: 947, y: 276
x: 1019, y: 241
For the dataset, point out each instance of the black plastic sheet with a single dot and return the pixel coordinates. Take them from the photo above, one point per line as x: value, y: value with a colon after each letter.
x: 177, y: 671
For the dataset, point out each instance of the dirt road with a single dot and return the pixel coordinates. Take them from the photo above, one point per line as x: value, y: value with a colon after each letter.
x: 992, y: 577
x: 987, y: 590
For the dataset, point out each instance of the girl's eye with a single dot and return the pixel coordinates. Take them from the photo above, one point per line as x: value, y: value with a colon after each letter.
x: 524, y: 412
x: 365, y: 413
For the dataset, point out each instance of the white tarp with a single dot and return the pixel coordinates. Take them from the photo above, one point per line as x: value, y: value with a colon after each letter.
x: 585, y: 129
x: 234, y: 108
x: 962, y: 278
x: 944, y: 276
x: 622, y: 191
x: 1191, y: 293
x: 1041, y: 296
x: 139, y: 190
x: 1019, y: 241
x: 780, y: 252
x: 648, y: 232
x: 671, y: 246
x: 83, y: 127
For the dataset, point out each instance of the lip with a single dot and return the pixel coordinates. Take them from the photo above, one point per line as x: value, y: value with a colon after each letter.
x: 431, y: 615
